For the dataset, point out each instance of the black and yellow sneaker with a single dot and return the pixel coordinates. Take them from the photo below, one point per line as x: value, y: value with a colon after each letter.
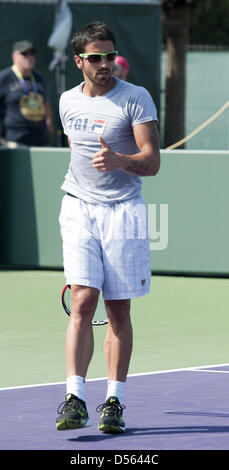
x: 111, y: 416
x: 72, y: 415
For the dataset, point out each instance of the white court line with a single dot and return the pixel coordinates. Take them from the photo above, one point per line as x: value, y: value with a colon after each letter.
x: 165, y: 371
x: 214, y: 371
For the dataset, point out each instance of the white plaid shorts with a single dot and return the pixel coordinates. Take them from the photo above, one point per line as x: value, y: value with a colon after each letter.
x: 106, y: 246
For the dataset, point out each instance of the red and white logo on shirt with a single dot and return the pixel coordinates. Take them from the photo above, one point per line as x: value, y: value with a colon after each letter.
x: 97, y: 125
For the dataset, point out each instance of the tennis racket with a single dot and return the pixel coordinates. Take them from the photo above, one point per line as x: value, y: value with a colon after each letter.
x: 100, y: 316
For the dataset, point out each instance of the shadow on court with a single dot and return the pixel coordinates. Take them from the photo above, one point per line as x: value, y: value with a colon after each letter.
x: 198, y: 413
x: 157, y: 431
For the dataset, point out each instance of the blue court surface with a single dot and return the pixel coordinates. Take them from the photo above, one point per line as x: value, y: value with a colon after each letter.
x: 183, y: 409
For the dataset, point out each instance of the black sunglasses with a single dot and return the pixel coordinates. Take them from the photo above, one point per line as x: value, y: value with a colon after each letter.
x: 30, y: 52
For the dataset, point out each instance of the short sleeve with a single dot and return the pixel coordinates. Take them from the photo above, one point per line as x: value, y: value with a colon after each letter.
x: 141, y: 107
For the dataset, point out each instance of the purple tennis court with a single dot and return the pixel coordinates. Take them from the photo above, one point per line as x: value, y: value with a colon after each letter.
x: 185, y: 409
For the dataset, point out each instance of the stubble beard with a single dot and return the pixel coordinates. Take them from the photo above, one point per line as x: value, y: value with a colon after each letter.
x: 101, y: 80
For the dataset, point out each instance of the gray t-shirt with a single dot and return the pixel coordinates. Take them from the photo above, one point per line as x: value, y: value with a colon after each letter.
x: 112, y: 116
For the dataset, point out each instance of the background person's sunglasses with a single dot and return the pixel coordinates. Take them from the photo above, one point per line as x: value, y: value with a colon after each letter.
x: 96, y: 57
x: 30, y: 52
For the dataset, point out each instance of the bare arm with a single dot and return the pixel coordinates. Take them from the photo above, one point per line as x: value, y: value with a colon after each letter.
x: 144, y: 163
x: 147, y: 161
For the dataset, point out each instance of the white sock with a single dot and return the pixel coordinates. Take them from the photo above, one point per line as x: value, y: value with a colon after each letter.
x: 75, y: 386
x: 116, y: 389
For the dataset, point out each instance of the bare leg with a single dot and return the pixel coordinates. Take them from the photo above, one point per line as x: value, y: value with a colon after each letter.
x: 119, y: 339
x: 79, y: 344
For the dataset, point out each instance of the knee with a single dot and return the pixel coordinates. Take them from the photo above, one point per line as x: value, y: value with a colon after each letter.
x: 84, y: 303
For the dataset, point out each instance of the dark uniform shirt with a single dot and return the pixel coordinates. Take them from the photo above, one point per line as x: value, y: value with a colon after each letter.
x: 22, y: 109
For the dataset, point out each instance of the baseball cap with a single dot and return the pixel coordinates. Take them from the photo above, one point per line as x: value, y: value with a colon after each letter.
x: 23, y: 46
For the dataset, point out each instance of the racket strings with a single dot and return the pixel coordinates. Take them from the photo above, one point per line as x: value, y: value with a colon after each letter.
x: 100, y: 312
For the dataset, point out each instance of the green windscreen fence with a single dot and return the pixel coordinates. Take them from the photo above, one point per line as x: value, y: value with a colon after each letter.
x: 137, y: 28
x: 206, y: 99
x: 187, y: 206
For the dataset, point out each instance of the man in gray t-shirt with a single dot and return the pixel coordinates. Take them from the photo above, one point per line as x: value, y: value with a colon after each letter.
x: 112, y: 116
x: 111, y: 127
